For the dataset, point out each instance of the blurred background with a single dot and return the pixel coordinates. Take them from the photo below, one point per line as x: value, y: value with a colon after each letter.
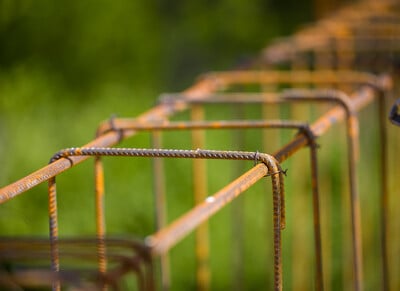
x: 67, y: 65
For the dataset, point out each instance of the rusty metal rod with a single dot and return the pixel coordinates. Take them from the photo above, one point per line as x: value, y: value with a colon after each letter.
x: 345, y: 101
x: 166, y: 125
x: 160, y: 206
x: 168, y: 237
x: 353, y: 153
x: 100, y: 216
x: 200, y: 192
x: 274, y: 170
x: 384, y: 197
x: 210, y: 124
x: 53, y: 229
x: 254, y: 124
x: 352, y: 140
x: 273, y: 77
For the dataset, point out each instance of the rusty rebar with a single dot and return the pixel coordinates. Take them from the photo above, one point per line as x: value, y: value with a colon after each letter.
x: 166, y: 238
x: 384, y: 197
x: 291, y: 77
x: 273, y: 168
x: 200, y: 192
x: 53, y: 229
x: 345, y: 101
x: 302, y: 127
x: 100, y: 216
x: 333, y: 116
x: 352, y: 140
x: 160, y: 205
x: 235, y: 124
x: 353, y: 154
x: 352, y: 133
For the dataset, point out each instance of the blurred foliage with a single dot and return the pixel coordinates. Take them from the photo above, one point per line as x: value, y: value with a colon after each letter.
x: 161, y: 43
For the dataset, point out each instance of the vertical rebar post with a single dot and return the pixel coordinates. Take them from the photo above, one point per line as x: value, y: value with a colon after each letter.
x: 100, y: 216
x: 352, y: 144
x: 203, y: 275
x: 384, y: 197
x: 160, y: 205
x: 53, y: 225
x: 319, y: 274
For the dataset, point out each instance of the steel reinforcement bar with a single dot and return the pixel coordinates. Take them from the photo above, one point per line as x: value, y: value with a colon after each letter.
x: 160, y: 198
x: 166, y: 238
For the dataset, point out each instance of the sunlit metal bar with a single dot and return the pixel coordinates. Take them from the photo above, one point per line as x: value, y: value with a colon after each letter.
x: 273, y: 168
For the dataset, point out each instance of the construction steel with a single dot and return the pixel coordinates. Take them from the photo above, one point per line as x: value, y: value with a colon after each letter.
x: 338, y: 66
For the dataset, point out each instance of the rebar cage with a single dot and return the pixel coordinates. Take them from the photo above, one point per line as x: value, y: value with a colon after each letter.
x: 289, y: 98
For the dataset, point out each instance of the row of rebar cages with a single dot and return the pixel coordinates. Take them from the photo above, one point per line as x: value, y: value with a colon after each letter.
x: 315, y: 103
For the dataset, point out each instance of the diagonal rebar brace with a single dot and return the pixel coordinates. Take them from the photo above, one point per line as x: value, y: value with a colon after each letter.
x: 270, y: 162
